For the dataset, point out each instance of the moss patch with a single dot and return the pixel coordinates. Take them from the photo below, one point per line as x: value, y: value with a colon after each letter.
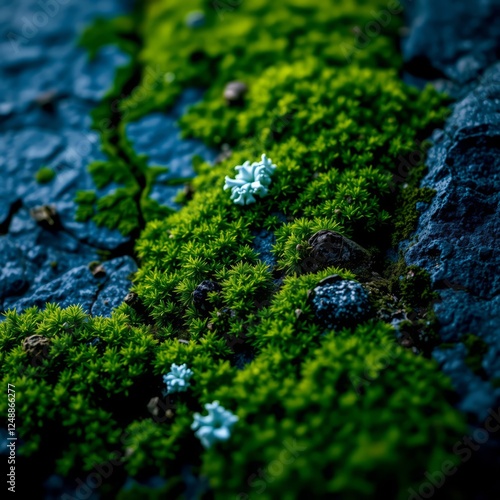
x: 45, y: 175
x: 364, y: 416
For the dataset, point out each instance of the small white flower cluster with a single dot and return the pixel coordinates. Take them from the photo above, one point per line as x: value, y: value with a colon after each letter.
x: 217, y: 425
x: 251, y: 180
x: 177, y: 379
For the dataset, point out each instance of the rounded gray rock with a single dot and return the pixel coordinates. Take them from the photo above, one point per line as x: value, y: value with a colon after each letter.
x: 339, y: 304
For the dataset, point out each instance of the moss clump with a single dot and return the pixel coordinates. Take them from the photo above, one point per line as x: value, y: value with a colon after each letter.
x: 364, y: 416
x: 45, y: 175
x: 406, y: 221
x: 476, y: 349
x: 160, y: 42
x: 412, y: 284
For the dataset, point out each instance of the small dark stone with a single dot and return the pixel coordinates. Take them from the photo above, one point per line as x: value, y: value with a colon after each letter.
x: 46, y: 100
x: 195, y: 19
x: 36, y: 346
x: 234, y: 93
x: 406, y: 341
x: 133, y: 301
x: 45, y: 215
x: 188, y: 191
x: 97, y: 269
x: 341, y: 304
x: 329, y: 248
x: 200, y: 295
x: 152, y: 406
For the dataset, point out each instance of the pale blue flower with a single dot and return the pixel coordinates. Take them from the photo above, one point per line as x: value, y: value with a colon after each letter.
x: 177, y: 379
x: 251, y: 180
x: 216, y: 426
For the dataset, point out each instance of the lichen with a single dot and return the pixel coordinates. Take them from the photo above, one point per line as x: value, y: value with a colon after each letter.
x: 214, y: 427
x: 177, y: 379
x: 251, y: 180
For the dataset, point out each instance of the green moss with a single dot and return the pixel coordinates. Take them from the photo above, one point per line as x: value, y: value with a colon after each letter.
x: 366, y: 415
x: 412, y: 284
x: 476, y: 349
x: 345, y: 411
x: 45, y: 175
x: 407, y: 219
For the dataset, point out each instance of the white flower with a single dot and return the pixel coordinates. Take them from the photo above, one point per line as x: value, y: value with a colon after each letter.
x: 251, y: 179
x: 177, y: 379
x: 216, y: 426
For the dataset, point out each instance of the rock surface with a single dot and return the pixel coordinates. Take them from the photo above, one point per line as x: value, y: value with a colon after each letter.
x: 457, y: 236
x: 340, y: 303
x: 159, y: 137
x: 451, y: 41
x: 48, y: 86
x: 456, y: 44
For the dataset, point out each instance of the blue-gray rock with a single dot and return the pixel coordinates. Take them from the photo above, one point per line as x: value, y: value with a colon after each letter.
x: 343, y: 303
x: 457, y: 42
x: 158, y: 136
x: 454, y: 44
x: 116, y: 285
x: 456, y: 239
x: 12, y: 269
x: 48, y: 86
x: 454, y: 40
x: 478, y: 395
x: 195, y: 19
x: 97, y: 296
x: 263, y: 243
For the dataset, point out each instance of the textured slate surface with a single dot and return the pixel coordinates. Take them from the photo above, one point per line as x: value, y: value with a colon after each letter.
x: 158, y: 136
x: 457, y: 236
x: 455, y: 45
x: 451, y: 42
x: 40, y: 58
x: 44, y: 63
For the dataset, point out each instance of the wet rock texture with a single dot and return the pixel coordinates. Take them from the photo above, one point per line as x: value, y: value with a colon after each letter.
x: 456, y: 44
x: 48, y: 86
x: 159, y: 137
x: 339, y: 303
